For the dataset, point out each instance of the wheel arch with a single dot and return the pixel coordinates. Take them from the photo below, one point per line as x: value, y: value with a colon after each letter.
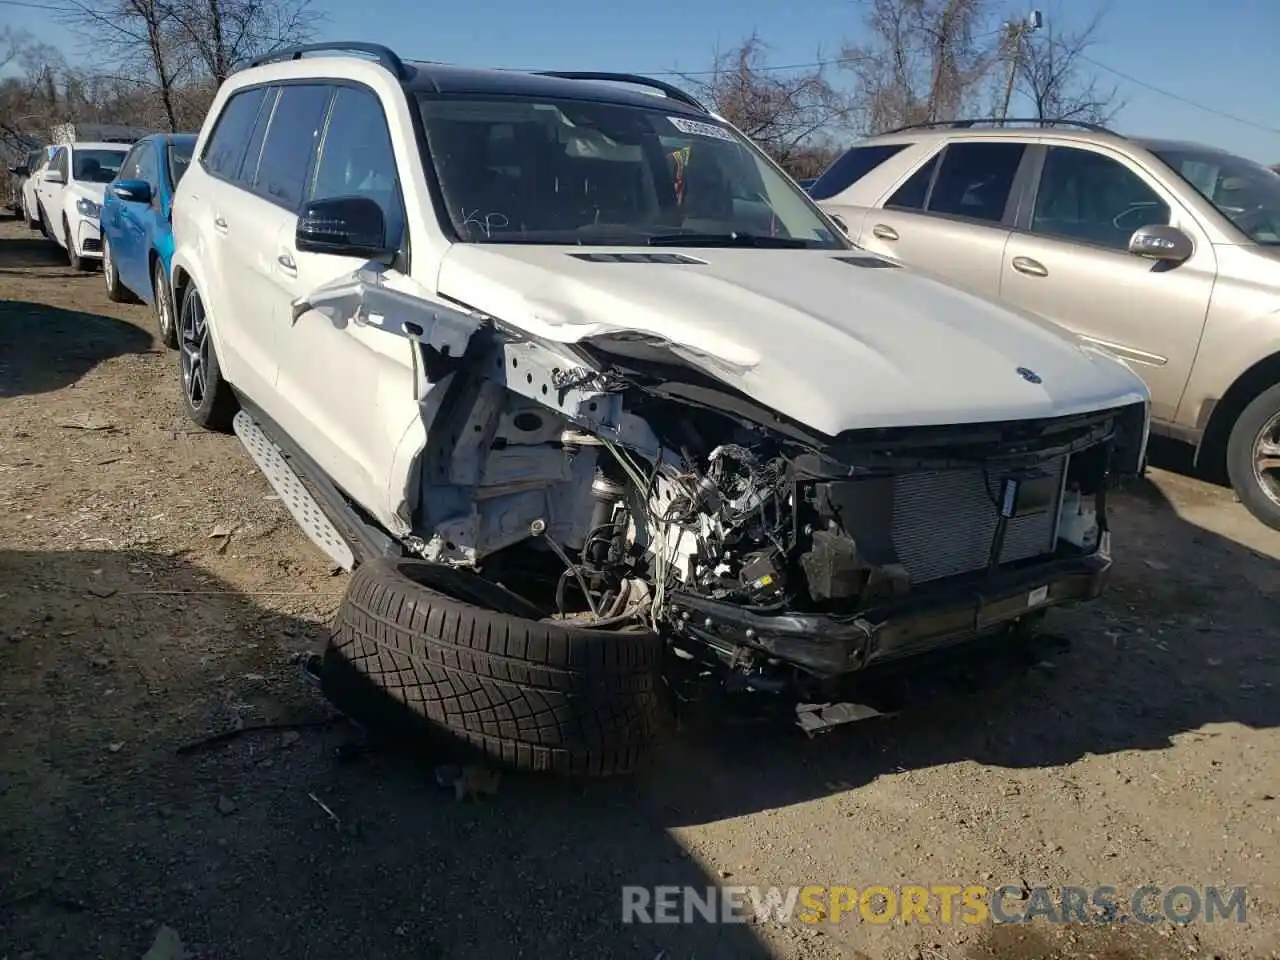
x: 183, y: 274
x: 1263, y: 374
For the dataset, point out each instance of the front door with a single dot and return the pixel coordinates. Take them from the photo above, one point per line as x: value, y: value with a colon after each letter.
x: 1071, y: 264
x: 348, y: 392
x: 51, y: 193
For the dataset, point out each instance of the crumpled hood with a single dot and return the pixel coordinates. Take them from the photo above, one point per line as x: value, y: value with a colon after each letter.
x: 829, y: 344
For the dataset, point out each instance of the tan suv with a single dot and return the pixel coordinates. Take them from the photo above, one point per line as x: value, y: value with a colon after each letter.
x: 1164, y: 253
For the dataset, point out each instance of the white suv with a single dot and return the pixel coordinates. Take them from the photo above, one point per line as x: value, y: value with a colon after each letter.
x: 585, y: 389
x: 69, y: 192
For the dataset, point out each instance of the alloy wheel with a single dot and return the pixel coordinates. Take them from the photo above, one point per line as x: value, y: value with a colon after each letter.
x: 1266, y: 459
x: 193, y: 347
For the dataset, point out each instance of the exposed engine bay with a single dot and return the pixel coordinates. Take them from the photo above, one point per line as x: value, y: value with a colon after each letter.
x: 611, y: 485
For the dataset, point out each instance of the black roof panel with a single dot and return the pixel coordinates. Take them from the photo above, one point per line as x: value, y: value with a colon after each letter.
x: 447, y: 79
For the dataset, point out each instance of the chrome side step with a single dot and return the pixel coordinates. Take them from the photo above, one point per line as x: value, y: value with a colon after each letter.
x: 293, y: 494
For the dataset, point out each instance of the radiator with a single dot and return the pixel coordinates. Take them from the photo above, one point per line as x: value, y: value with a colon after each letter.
x: 944, y: 522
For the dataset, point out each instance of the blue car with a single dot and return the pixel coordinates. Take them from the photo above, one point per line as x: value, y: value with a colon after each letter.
x: 137, y: 225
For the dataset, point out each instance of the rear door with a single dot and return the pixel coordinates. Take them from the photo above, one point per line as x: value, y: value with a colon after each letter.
x: 953, y: 215
x: 347, y: 390
x: 235, y: 239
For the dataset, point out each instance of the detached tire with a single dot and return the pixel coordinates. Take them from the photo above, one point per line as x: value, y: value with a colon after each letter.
x: 425, y: 646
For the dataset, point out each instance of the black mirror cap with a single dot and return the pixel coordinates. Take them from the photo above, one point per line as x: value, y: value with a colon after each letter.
x: 343, y: 226
x: 21, y: 170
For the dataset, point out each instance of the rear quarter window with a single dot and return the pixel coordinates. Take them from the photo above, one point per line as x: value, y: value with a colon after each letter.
x: 854, y: 164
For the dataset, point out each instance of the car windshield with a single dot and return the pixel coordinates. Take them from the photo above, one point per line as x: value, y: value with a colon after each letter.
x: 517, y: 170
x: 96, y: 166
x: 1247, y: 193
x: 179, y: 158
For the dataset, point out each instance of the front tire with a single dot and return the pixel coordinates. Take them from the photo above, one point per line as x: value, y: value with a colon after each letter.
x: 116, y: 291
x: 1253, y: 457
x: 162, y: 303
x: 420, y: 648
x: 73, y: 256
x: 206, y: 397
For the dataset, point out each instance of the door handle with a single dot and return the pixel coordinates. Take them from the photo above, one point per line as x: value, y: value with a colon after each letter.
x: 287, y: 265
x: 220, y: 224
x: 1032, y: 268
x: 884, y: 232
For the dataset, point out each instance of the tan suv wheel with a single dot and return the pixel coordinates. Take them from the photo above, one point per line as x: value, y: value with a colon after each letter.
x: 1253, y: 457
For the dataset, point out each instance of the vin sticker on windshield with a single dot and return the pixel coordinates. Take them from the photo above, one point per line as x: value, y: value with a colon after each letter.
x: 700, y: 129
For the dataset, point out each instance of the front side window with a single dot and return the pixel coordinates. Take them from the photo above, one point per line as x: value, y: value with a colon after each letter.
x: 914, y: 193
x: 854, y: 164
x: 148, y: 166
x: 291, y: 143
x: 59, y: 162
x: 96, y: 166
x: 129, y: 168
x: 356, y: 158
x: 518, y: 170
x: 1247, y: 193
x: 1093, y: 198
x: 226, y: 146
x: 975, y: 180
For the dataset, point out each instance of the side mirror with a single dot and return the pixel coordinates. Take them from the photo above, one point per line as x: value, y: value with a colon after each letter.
x: 132, y: 191
x: 343, y: 227
x: 1158, y: 242
x: 54, y: 176
x: 839, y: 222
x: 21, y: 170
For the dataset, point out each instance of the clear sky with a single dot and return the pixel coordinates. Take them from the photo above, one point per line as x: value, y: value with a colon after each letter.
x: 1222, y: 54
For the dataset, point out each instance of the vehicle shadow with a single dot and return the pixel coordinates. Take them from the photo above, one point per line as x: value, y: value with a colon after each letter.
x: 113, y: 822
x: 27, y: 252
x: 44, y: 348
x: 1184, y: 637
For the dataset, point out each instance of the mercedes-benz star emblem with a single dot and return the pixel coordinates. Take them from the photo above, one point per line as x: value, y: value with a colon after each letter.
x: 1029, y: 375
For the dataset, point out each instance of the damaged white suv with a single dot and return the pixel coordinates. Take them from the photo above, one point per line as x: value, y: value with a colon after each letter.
x: 587, y: 391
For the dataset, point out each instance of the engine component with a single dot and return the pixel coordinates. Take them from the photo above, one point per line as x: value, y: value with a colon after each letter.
x: 762, y: 576
x: 832, y: 567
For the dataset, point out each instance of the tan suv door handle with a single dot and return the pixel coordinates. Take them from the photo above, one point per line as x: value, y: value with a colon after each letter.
x: 884, y: 232
x: 1032, y: 268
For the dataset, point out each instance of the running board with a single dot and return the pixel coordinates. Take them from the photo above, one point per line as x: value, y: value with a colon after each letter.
x: 293, y: 494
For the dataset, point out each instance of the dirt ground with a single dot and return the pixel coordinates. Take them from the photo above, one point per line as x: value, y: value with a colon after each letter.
x: 1148, y: 752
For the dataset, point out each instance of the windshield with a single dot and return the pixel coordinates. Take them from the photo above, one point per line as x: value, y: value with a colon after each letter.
x: 96, y: 166
x: 514, y: 170
x: 1247, y: 193
x: 179, y: 159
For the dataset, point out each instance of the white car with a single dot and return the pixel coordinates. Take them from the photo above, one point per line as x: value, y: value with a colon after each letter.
x: 30, y: 199
x: 597, y: 403
x: 69, y: 194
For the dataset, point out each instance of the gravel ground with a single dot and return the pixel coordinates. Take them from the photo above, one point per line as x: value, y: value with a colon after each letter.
x: 1147, y: 753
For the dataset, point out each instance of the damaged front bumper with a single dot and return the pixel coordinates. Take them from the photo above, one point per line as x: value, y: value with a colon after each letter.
x: 828, y: 646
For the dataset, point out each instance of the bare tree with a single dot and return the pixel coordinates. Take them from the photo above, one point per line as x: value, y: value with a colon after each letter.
x: 1053, y: 72
x: 789, y: 113
x: 923, y: 60
x: 139, y: 38
x: 224, y: 33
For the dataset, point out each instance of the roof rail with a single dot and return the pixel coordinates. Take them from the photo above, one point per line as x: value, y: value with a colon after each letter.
x: 674, y: 93
x: 383, y: 55
x: 1000, y: 122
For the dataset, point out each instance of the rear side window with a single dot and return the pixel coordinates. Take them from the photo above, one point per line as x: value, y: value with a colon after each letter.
x: 225, y: 150
x: 975, y: 180
x: 291, y: 143
x: 852, y: 166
